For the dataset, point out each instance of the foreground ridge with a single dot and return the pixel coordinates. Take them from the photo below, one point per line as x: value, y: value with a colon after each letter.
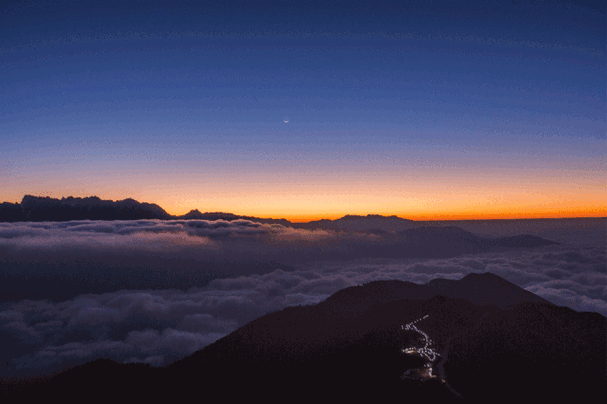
x: 350, y: 346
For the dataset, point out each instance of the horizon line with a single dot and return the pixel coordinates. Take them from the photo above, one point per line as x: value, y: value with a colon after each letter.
x: 295, y: 218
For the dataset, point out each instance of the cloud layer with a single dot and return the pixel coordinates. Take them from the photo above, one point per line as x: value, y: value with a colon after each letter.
x: 159, y: 325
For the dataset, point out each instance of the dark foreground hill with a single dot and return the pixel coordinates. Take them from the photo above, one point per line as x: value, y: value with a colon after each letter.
x: 496, y: 341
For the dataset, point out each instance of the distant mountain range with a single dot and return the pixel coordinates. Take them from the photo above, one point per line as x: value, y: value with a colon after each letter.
x: 433, y: 242
x: 496, y: 341
x: 41, y: 209
x: 38, y: 209
x: 361, y: 223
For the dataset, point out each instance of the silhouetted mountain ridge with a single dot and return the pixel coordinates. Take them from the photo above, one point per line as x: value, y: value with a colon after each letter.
x: 480, y: 289
x: 360, y: 223
x: 348, y: 347
x: 39, y: 209
x: 36, y: 209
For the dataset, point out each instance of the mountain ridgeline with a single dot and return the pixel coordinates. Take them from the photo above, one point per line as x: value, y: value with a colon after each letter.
x: 46, y: 209
x: 43, y: 209
x: 494, y: 340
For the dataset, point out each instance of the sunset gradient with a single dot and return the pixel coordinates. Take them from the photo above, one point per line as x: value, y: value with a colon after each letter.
x: 428, y: 111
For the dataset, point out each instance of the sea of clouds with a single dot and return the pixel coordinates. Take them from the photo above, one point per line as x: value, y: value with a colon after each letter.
x: 154, y: 291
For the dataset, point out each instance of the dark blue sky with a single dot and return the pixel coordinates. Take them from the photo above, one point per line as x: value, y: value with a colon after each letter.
x: 420, y: 109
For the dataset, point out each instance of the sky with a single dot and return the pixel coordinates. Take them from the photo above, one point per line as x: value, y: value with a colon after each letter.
x: 307, y: 110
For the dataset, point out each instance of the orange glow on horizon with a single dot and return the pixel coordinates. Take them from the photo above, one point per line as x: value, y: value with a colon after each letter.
x: 443, y: 205
x: 302, y: 193
x: 303, y: 208
x: 439, y: 217
x: 429, y: 216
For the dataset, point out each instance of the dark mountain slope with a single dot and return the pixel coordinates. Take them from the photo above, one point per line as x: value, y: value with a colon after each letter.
x: 485, y: 289
x: 532, y: 351
x: 349, y: 348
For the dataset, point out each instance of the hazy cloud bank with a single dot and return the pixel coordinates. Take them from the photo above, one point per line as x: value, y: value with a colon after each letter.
x: 198, y: 238
x: 61, y: 260
x: 158, y: 326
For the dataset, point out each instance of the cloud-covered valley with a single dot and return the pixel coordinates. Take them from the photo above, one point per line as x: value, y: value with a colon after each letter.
x: 154, y: 291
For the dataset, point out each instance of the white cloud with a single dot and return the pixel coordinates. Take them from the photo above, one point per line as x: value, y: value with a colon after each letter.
x: 157, y: 326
